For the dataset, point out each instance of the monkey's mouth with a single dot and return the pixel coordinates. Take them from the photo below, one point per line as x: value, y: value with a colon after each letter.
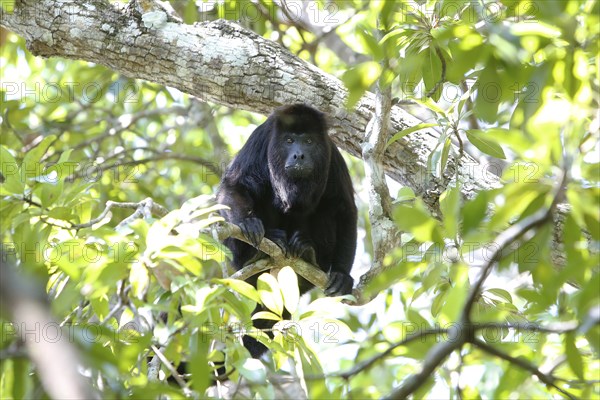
x: 298, y: 171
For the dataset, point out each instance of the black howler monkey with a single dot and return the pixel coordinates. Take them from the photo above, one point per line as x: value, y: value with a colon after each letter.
x: 290, y: 183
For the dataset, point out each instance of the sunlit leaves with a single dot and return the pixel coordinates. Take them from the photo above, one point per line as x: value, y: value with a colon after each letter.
x: 288, y: 281
x: 240, y: 287
x: 407, y: 131
x: 417, y: 221
x: 489, y: 93
x: 450, y: 206
x: 485, y: 144
x: 10, y: 171
x: 432, y: 72
x: 198, y: 364
x: 524, y: 73
x: 359, y: 79
x: 270, y: 293
x: 253, y: 370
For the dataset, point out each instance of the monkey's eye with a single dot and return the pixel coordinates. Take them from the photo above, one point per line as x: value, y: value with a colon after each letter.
x: 289, y: 140
x: 309, y: 141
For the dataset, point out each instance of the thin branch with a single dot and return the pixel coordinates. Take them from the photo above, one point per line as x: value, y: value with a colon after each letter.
x: 547, y: 379
x: 186, y: 391
x: 508, y: 237
x: 101, y: 168
x: 435, y: 356
x: 366, y: 364
x: 145, y: 207
x: 308, y: 271
x: 562, y: 328
x: 120, y: 124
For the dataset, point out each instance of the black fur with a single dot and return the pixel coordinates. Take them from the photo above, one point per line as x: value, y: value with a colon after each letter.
x: 290, y: 183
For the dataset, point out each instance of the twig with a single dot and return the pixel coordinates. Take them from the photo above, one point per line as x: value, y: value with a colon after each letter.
x: 547, y: 379
x: 435, y: 356
x: 505, y: 239
x: 365, y: 365
x: 160, y: 157
x: 186, y: 391
x: 308, y: 271
x: 153, y: 369
x: 144, y: 207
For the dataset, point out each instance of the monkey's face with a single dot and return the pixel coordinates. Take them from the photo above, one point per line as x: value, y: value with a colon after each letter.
x: 300, y: 151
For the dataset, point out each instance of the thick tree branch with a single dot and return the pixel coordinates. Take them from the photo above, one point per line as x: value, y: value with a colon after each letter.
x: 223, y: 63
x: 384, y: 231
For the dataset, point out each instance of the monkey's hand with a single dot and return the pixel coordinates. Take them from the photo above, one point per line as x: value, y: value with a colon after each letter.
x: 253, y: 230
x: 339, y: 284
x: 279, y: 237
x: 300, y: 247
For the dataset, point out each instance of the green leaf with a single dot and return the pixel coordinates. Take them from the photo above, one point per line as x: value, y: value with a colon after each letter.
x: 537, y: 28
x: 359, y: 79
x: 444, y: 157
x: 488, y: 95
x: 486, y: 145
x: 410, y: 130
x: 20, y: 378
x: 369, y: 42
x: 434, y: 160
x: 418, y: 222
x: 51, y: 193
x: 8, y: 6
x: 432, y: 73
x: 473, y: 212
x: 236, y: 306
x: 431, y: 105
x: 8, y: 164
x: 404, y: 194
x: 437, y: 303
x: 456, y: 295
x: 450, y: 207
x: 253, y: 370
x: 503, y: 294
x: 574, y: 358
x: 31, y: 162
x: 393, y: 34
x: 270, y: 293
x: 288, y: 282
x: 12, y: 185
x: 416, y: 318
x: 241, y: 287
x: 64, y: 213
x: 139, y: 278
x: 266, y: 315
x: 10, y: 170
x: 309, y: 361
x: 198, y: 363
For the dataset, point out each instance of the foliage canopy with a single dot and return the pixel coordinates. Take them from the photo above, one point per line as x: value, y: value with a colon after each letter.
x: 513, y: 82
